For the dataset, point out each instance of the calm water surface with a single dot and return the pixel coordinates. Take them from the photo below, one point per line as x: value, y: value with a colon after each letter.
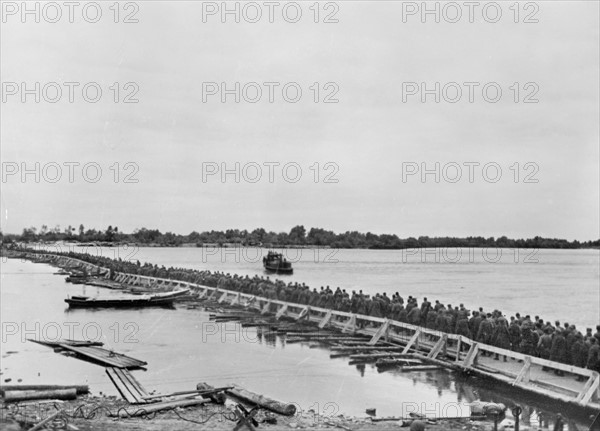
x: 182, y: 347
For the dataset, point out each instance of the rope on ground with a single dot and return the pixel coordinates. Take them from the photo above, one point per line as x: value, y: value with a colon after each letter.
x: 80, y: 412
x: 229, y: 416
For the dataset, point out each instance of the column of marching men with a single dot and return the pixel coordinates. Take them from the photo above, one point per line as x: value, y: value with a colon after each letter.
x: 559, y: 342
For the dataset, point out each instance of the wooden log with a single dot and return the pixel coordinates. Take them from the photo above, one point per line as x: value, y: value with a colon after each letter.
x: 408, y: 368
x: 292, y: 340
x: 262, y: 401
x: 57, y: 394
x: 393, y: 362
x: 81, y: 389
x: 254, y: 324
x: 339, y: 355
x: 375, y: 356
x: 367, y: 348
x: 156, y: 407
x: 216, y: 397
x: 307, y: 334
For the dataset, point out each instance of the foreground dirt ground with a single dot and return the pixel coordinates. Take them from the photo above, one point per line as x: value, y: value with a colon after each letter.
x: 92, y: 414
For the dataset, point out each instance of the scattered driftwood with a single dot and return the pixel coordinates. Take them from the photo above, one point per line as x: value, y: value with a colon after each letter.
x: 261, y: 401
x: 56, y: 394
x: 81, y: 389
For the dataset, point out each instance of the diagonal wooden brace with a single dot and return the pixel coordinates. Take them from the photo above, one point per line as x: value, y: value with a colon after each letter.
x: 350, y: 326
x: 325, y: 320
x: 380, y: 333
x: 281, y: 311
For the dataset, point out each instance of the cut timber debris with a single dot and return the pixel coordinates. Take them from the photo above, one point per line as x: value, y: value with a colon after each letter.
x: 261, y: 401
x: 156, y: 407
x: 57, y: 394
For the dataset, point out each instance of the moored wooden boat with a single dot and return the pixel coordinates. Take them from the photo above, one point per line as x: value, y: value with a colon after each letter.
x: 156, y: 300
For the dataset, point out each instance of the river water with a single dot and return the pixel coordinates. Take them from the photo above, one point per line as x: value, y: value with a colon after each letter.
x: 182, y: 347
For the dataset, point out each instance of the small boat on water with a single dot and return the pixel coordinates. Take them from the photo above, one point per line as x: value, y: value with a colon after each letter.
x: 133, y: 301
x: 275, y: 262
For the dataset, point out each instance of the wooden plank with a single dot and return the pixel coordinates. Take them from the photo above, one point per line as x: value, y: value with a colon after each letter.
x: 281, y: 312
x: 471, y: 357
x: 106, y: 357
x: 525, y: 372
x: 458, y: 349
x: 591, y: 386
x: 350, y: 326
x: 250, y: 301
x: 409, y: 368
x: 303, y: 313
x: 235, y: 300
x: 266, y: 308
x: 326, y: 319
x: 128, y: 379
x: 380, y: 333
x: 213, y: 294
x: 366, y: 348
x: 123, y: 389
x: 437, y: 348
x: 412, y: 341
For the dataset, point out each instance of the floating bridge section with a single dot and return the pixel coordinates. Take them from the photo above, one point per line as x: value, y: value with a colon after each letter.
x: 520, y: 371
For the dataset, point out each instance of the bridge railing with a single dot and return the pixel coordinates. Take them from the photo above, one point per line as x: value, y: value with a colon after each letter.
x: 466, y: 352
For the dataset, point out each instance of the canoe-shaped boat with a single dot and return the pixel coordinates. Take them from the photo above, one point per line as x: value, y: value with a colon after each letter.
x: 132, y: 301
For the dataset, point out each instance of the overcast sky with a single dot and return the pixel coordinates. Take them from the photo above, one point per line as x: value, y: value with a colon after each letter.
x: 370, y: 137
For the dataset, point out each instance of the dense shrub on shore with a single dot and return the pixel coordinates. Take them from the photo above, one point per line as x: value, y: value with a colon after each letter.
x: 298, y: 236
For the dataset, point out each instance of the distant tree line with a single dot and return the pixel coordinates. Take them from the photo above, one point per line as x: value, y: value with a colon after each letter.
x: 297, y: 236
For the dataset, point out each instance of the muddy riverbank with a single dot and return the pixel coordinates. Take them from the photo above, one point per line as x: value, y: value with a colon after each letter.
x: 91, y: 413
